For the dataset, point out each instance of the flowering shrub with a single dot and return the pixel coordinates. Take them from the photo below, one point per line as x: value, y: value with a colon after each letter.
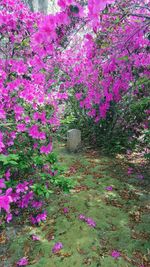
x: 43, y: 60
x: 29, y: 104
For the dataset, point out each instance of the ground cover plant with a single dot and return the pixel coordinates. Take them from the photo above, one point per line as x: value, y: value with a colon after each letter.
x: 87, y: 65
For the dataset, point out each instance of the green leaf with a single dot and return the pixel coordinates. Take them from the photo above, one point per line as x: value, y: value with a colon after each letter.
x: 125, y: 58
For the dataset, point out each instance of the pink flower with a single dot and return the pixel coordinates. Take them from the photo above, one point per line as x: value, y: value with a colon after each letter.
x: 27, y: 119
x: 130, y: 171
x: 65, y: 210
x: 34, y: 132
x: 78, y: 96
x: 2, y: 183
x: 7, y: 174
x: 41, y: 217
x: 109, y: 188
x: 90, y: 222
x: 46, y: 149
x: 35, y: 146
x: 19, y: 110
x: 5, y: 203
x: 35, y: 238
x: 23, y: 262
x: 2, y: 114
x: 57, y: 247
x: 22, y: 187
x: 82, y: 217
x: 33, y: 220
x: 21, y: 127
x: 37, y: 204
x: 115, y: 254
x: 140, y: 176
x: 8, y: 217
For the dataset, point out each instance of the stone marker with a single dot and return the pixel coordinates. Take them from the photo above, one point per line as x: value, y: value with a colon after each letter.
x: 73, y: 140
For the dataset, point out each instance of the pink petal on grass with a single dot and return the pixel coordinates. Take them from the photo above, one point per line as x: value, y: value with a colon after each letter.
x: 23, y: 262
x: 82, y: 217
x: 35, y: 238
x: 65, y: 210
x: 109, y: 188
x: 115, y: 254
x: 57, y: 247
x: 91, y: 222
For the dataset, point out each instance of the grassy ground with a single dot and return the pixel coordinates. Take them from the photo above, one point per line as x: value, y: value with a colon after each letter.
x: 121, y: 216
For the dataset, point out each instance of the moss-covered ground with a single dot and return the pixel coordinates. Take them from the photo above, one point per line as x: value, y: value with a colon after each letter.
x: 121, y: 215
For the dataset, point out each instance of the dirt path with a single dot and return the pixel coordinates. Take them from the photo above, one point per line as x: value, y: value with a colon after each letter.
x: 116, y: 202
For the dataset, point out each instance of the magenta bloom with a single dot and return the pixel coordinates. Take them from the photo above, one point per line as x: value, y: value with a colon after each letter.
x: 65, y: 210
x: 33, y: 220
x: 22, y: 262
x: 90, y: 222
x: 8, y: 217
x: 46, y: 149
x: 37, y: 204
x: 130, y: 170
x: 140, y: 176
x: 41, y: 217
x: 109, y: 188
x: 35, y: 238
x: 57, y: 247
x: 5, y: 202
x: 82, y: 217
x: 115, y: 254
x: 2, y: 183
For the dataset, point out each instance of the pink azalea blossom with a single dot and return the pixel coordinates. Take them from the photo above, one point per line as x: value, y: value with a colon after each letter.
x: 21, y: 127
x: 46, y: 149
x: 35, y: 238
x: 115, y: 254
x: 65, y: 210
x: 57, y: 247
x: 109, y: 188
x: 37, y: 204
x: 140, y: 176
x: 82, y: 217
x: 91, y: 222
x: 8, y: 217
x: 41, y: 217
x: 5, y: 202
x: 2, y: 183
x: 7, y: 174
x: 23, y: 262
x: 130, y: 170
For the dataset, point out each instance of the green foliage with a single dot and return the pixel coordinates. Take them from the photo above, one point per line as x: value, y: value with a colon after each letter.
x: 9, y: 160
x: 41, y: 190
x: 64, y: 183
x: 51, y: 158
